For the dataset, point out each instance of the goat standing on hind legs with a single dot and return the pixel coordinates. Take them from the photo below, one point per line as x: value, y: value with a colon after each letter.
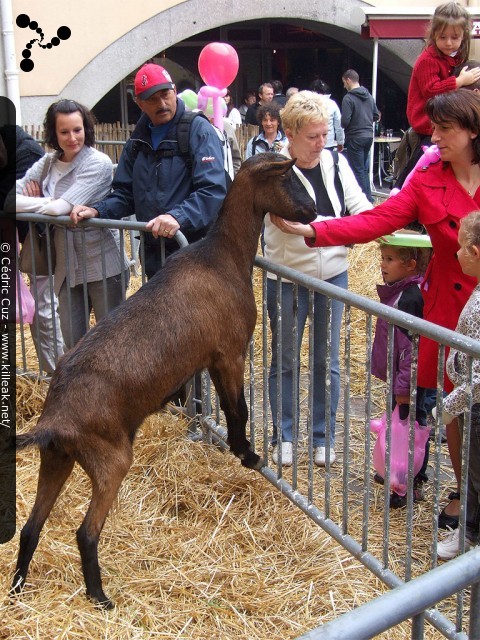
x: 102, y: 389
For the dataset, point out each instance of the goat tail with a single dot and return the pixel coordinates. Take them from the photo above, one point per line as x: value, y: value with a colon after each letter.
x: 38, y: 438
x: 25, y: 440
x: 17, y: 442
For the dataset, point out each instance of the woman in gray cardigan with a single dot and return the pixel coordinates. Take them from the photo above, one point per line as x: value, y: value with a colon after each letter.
x: 75, y: 173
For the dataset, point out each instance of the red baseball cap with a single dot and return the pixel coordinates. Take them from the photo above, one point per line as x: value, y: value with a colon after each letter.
x: 151, y: 78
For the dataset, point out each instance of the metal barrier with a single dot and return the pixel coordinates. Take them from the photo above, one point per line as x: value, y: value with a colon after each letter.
x: 355, y: 496
x: 343, y: 497
x: 38, y: 283
x: 408, y: 600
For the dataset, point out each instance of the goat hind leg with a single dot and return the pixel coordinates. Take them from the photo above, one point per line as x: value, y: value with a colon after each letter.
x: 55, y: 467
x: 105, y: 486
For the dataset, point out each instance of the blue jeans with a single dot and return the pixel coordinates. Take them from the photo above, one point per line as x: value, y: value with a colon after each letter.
x: 430, y: 400
x: 358, y: 155
x: 319, y: 357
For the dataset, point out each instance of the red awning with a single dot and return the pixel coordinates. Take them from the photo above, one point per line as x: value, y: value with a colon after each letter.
x: 411, y: 23
x: 402, y: 29
x: 394, y: 29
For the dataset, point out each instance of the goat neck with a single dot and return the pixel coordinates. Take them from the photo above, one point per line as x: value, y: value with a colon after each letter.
x: 265, y: 183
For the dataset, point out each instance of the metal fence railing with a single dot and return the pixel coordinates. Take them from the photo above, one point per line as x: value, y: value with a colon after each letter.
x: 407, y: 601
x: 342, y: 498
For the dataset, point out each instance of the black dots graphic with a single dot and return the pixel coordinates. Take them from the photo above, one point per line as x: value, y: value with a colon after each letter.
x: 23, y: 22
x: 64, y: 33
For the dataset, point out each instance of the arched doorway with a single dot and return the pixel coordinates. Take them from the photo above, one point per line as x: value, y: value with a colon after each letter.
x: 293, y: 52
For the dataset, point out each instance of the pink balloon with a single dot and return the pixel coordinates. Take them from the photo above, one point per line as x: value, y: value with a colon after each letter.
x: 218, y: 64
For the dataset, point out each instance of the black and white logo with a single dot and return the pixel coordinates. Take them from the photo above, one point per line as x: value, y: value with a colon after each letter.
x: 23, y: 21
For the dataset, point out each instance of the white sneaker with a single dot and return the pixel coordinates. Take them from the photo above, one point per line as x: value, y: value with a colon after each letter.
x: 287, y: 454
x: 449, y: 546
x: 320, y: 454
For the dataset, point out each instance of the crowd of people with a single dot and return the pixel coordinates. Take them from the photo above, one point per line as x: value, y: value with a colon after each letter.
x: 172, y: 190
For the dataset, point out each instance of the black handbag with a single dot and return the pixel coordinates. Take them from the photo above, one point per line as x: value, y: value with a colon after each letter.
x: 35, y: 251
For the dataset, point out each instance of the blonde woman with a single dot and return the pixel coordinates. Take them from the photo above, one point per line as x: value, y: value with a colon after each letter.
x: 305, y: 120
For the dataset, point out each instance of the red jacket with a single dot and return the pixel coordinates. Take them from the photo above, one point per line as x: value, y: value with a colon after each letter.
x: 431, y: 75
x: 434, y: 198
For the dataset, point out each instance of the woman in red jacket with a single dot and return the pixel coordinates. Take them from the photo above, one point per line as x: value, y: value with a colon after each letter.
x: 438, y: 196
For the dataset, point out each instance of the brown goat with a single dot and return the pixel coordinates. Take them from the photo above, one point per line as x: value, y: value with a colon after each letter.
x: 198, y: 312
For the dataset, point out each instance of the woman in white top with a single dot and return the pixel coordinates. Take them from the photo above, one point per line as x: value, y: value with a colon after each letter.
x: 233, y: 114
x: 75, y: 173
x: 305, y: 121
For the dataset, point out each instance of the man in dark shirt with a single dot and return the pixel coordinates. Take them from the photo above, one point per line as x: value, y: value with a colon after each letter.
x: 359, y: 112
x: 154, y: 180
x: 278, y: 96
x: 265, y: 95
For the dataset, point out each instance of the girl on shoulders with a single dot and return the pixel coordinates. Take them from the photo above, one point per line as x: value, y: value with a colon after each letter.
x: 447, y: 46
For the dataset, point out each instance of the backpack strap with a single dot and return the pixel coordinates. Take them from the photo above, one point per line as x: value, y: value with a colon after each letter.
x: 258, y: 141
x: 338, y: 183
x: 183, y: 139
x: 254, y: 145
x: 183, y: 133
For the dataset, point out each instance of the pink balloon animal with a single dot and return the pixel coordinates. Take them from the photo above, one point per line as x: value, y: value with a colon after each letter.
x: 398, y: 449
x: 218, y: 66
x: 430, y: 155
x: 216, y: 95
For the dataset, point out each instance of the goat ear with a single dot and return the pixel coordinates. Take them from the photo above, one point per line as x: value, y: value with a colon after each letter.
x: 277, y: 168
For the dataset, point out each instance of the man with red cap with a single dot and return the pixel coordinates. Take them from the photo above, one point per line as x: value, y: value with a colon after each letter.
x: 155, y: 180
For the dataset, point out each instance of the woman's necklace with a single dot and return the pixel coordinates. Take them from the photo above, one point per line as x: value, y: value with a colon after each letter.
x: 472, y: 184
x: 472, y: 187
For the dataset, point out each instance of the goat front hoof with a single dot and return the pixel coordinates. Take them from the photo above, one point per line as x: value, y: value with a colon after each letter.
x: 102, y: 602
x: 252, y: 461
x: 106, y: 605
x: 17, y: 586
